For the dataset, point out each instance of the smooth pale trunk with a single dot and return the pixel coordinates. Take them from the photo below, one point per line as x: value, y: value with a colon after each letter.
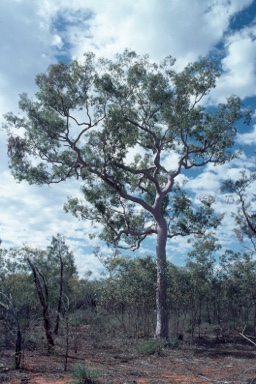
x: 162, y: 330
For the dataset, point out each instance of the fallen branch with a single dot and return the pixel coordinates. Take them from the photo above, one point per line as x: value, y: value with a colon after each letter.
x: 247, y: 338
x: 213, y: 380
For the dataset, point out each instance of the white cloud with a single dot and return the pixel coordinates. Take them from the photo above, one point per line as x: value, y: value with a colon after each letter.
x: 185, y: 29
x: 34, y: 32
x: 57, y: 41
x: 248, y: 138
x: 206, y: 182
x: 239, y: 76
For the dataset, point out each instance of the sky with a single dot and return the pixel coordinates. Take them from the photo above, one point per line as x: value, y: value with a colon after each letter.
x: 37, y: 33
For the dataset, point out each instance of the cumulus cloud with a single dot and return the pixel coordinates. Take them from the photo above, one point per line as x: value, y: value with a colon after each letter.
x: 186, y: 30
x: 57, y: 41
x: 36, y: 33
x: 248, y: 138
x: 239, y: 75
x: 206, y: 182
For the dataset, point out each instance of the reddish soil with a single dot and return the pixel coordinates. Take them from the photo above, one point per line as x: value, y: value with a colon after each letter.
x: 119, y: 361
x: 122, y: 364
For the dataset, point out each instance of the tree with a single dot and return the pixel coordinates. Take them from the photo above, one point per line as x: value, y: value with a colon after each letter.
x: 130, y: 290
x: 62, y: 260
x: 240, y: 271
x: 16, y: 299
x: 52, y: 271
x: 202, y: 274
x: 243, y: 192
x: 43, y: 296
x: 87, y: 121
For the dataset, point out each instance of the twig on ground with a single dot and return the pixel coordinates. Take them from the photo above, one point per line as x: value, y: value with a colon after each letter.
x: 214, y: 380
x: 247, y: 338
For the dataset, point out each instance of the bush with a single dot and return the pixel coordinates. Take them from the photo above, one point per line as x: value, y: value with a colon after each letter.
x: 172, y: 343
x: 84, y: 375
x: 151, y: 347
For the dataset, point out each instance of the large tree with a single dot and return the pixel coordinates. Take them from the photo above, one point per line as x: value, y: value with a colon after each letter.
x: 127, y: 128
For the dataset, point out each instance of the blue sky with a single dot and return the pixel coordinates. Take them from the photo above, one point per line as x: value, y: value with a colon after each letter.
x: 37, y: 33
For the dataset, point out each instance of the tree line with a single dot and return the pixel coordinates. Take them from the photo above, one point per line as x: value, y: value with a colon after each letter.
x: 42, y: 294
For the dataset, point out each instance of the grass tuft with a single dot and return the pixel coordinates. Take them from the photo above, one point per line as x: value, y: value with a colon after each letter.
x: 85, y: 375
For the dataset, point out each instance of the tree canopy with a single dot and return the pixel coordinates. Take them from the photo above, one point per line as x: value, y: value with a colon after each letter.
x: 127, y: 128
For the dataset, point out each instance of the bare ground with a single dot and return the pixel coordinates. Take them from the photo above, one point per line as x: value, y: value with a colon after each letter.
x: 120, y: 363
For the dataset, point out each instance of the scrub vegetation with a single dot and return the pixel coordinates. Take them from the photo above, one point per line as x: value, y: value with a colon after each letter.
x: 85, y: 122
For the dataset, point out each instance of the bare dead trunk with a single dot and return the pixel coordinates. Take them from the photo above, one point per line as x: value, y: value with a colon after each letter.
x: 162, y: 330
x: 56, y: 329
x: 43, y: 301
x: 18, y: 346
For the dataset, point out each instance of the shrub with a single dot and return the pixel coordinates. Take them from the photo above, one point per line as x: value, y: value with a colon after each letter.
x: 151, y: 346
x: 85, y: 375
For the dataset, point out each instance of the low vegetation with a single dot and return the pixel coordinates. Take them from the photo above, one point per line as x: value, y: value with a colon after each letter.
x: 202, y: 300
x: 112, y: 319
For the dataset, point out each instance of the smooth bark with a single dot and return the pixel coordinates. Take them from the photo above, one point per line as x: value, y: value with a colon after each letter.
x: 162, y: 329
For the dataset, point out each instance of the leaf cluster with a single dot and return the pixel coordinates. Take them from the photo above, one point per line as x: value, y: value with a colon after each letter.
x: 116, y: 125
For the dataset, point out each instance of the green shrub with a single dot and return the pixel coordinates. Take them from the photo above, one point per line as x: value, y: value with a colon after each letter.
x: 85, y: 375
x: 151, y: 346
x: 170, y: 343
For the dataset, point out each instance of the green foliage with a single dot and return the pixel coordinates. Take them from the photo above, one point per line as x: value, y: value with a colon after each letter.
x: 129, y: 281
x: 16, y: 284
x: 202, y: 297
x: 84, y: 375
x: 140, y: 106
x: 170, y: 343
x: 16, y: 300
x: 49, y: 263
x: 113, y: 124
x: 242, y: 191
x: 151, y: 346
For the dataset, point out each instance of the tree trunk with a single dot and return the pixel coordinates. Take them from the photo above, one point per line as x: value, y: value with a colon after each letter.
x: 56, y: 329
x: 18, y: 347
x: 43, y: 301
x: 11, y: 309
x: 162, y: 330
